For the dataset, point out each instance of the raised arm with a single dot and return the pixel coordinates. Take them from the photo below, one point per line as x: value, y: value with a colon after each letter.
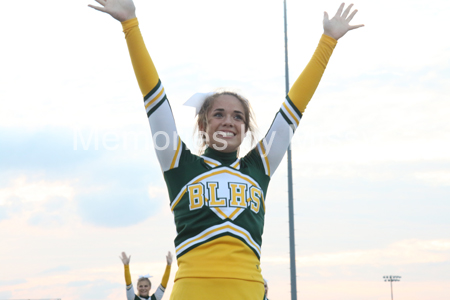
x: 273, y: 146
x: 166, y: 275
x: 306, y: 84
x: 159, y: 293
x: 126, y: 265
x: 125, y: 12
x: 166, y: 139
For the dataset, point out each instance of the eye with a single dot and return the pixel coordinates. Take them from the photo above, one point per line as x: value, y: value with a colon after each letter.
x: 239, y: 117
x: 218, y: 115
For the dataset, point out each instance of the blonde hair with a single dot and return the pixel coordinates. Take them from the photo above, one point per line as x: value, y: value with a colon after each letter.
x: 202, y: 117
x: 142, y: 279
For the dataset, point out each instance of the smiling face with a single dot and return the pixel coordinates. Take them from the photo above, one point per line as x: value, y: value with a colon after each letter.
x: 225, y: 127
x: 143, y: 287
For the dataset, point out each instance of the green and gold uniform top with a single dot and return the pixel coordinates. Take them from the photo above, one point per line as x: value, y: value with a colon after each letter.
x: 218, y: 199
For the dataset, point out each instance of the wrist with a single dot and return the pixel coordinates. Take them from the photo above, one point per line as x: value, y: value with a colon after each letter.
x: 330, y: 34
x: 128, y: 17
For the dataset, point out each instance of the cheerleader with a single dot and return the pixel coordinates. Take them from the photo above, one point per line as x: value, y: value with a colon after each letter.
x: 143, y: 284
x: 217, y: 198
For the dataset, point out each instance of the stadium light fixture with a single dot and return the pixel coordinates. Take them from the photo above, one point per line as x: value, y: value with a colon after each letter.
x: 391, y: 279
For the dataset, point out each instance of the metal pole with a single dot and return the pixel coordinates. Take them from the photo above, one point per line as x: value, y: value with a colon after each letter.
x: 392, y: 278
x: 290, y: 189
x: 392, y: 293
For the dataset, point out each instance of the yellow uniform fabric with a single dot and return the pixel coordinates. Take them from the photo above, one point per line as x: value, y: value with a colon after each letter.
x: 144, y: 69
x: 127, y: 274
x: 245, y: 265
x: 166, y: 275
x: 217, y: 289
x: 306, y: 84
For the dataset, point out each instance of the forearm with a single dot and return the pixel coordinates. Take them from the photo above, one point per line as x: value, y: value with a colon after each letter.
x: 143, y: 66
x: 154, y: 97
x: 306, y: 84
x: 166, y: 275
x: 127, y: 274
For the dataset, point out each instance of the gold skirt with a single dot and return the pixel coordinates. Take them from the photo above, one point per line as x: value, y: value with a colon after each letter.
x: 217, y: 289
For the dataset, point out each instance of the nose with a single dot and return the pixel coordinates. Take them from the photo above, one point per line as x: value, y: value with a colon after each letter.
x: 228, y: 120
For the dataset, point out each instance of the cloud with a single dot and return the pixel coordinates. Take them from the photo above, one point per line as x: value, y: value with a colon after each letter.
x: 44, y: 202
x: 10, y: 206
x: 405, y: 252
x: 5, y: 294
x: 96, y: 289
x: 110, y: 187
x: 79, y: 154
x: 54, y: 212
x: 46, y: 150
x: 3, y: 213
x: 56, y: 270
x: 434, y: 178
x: 46, y: 220
x: 36, y: 191
x: 81, y: 283
x: 113, y: 207
x: 52, y: 204
x: 12, y: 282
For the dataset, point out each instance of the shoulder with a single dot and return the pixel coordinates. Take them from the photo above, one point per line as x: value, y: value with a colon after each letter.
x: 159, y: 293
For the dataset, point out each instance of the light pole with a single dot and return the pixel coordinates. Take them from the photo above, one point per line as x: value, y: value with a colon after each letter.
x: 290, y: 188
x: 391, y: 278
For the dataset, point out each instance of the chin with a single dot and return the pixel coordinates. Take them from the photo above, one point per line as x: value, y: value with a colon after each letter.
x: 225, y: 148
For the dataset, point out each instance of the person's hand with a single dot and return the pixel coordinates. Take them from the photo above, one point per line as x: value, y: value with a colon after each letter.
x: 125, y: 259
x: 339, y: 25
x: 169, y: 258
x: 120, y: 10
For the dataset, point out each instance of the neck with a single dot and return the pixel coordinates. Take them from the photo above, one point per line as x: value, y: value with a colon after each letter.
x: 224, y: 157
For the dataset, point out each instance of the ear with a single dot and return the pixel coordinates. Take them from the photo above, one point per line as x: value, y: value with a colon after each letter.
x: 246, y: 128
x: 203, y: 127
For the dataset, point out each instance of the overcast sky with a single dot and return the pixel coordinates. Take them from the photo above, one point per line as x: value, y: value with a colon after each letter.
x: 79, y: 180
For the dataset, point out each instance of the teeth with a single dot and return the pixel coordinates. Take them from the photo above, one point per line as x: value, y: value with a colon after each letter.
x: 226, y: 133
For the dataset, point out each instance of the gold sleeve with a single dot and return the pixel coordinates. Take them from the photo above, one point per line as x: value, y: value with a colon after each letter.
x: 165, y: 278
x: 143, y: 66
x: 306, y: 84
x: 127, y: 274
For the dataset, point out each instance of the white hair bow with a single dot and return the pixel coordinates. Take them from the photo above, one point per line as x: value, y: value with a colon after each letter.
x: 197, y: 101
x: 145, y: 276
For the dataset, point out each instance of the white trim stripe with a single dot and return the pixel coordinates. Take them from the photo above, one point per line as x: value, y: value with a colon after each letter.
x: 210, y: 161
x: 293, y: 109
x: 219, y: 212
x: 151, y: 102
x: 150, y: 99
x: 236, y: 213
x: 237, y: 164
x: 264, y: 158
x: 213, y: 231
x: 290, y: 113
x: 176, y: 158
x: 223, y: 216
